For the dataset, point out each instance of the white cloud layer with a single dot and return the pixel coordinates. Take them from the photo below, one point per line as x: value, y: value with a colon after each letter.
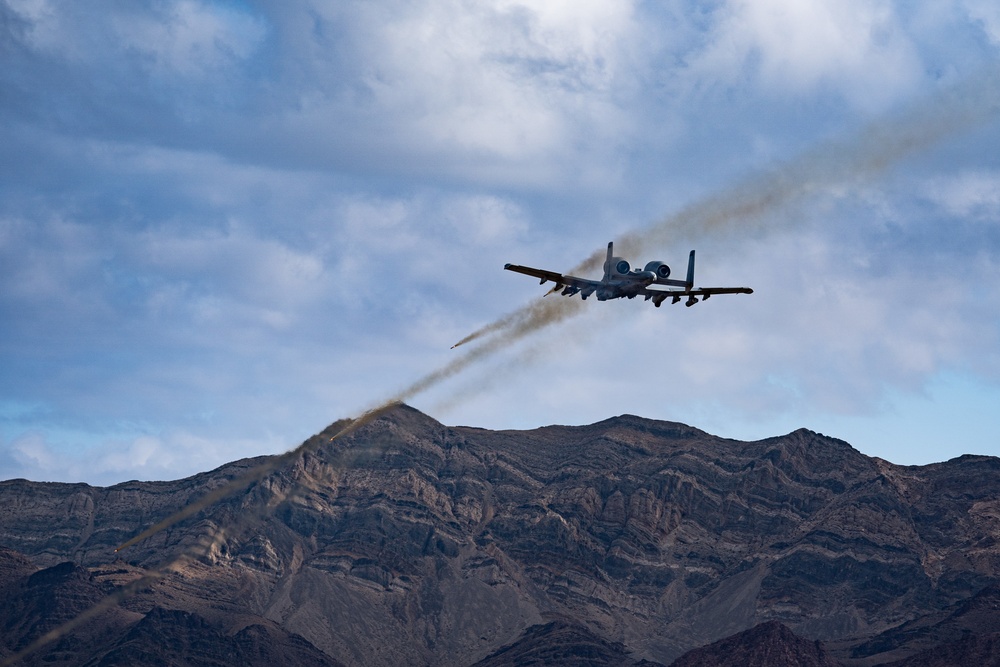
x: 224, y: 225
x: 858, y: 49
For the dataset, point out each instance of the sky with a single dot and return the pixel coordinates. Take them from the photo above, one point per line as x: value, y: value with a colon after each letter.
x: 225, y: 225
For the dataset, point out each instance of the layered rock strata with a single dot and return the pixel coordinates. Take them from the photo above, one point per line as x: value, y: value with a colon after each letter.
x: 410, y: 542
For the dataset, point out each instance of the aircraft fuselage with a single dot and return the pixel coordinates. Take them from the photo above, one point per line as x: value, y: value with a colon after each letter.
x: 629, y: 286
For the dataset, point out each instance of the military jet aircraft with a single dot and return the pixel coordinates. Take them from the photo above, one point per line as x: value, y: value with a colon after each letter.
x: 620, y: 280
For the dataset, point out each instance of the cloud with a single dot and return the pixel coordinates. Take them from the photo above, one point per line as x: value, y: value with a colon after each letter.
x: 191, y: 40
x: 484, y: 91
x: 987, y: 15
x: 860, y: 50
x: 235, y: 222
x: 971, y: 195
x: 488, y: 91
x: 37, y: 456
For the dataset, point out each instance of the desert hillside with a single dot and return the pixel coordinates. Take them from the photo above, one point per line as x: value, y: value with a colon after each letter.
x: 629, y: 541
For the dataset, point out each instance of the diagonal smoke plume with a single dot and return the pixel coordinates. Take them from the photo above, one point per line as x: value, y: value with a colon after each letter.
x: 537, y: 317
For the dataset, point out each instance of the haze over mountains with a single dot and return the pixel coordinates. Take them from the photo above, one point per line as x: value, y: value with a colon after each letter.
x: 629, y: 541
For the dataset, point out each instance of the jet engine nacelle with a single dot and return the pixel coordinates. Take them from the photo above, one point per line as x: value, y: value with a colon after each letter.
x: 661, y: 270
x: 620, y: 266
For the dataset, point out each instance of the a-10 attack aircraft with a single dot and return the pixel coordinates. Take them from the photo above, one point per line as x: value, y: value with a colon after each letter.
x: 620, y: 280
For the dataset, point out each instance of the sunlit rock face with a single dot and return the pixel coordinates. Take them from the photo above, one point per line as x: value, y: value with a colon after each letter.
x: 409, y: 542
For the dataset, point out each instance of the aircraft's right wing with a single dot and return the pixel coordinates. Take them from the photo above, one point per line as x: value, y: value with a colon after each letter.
x: 561, y: 281
x: 706, y: 292
x: 659, y: 296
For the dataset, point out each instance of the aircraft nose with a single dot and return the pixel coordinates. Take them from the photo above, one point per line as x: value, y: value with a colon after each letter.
x: 647, y: 276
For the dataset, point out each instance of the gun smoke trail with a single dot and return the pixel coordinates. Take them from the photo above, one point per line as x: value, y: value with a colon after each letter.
x: 254, y: 475
x: 857, y: 158
x: 202, y: 547
x: 536, y: 317
x: 542, y: 315
x: 55, y: 634
x: 873, y: 150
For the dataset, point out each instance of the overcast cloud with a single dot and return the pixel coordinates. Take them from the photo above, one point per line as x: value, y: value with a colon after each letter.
x: 224, y: 225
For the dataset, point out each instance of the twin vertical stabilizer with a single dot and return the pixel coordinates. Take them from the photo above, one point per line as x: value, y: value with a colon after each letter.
x: 607, y: 262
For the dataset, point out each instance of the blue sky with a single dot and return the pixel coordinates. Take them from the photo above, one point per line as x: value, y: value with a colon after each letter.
x: 224, y: 225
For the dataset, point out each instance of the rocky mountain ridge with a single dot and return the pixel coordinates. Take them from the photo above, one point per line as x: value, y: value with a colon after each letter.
x: 410, y: 542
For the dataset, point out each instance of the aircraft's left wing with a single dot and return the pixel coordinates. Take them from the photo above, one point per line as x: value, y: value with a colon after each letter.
x: 561, y: 281
x: 537, y: 273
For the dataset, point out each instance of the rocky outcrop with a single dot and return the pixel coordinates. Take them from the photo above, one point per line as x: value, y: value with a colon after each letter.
x: 44, y: 601
x: 978, y: 650
x: 409, y: 542
x: 970, y: 627
x: 171, y: 638
x: 58, y: 522
x: 769, y: 644
x: 561, y: 643
x: 37, y: 602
